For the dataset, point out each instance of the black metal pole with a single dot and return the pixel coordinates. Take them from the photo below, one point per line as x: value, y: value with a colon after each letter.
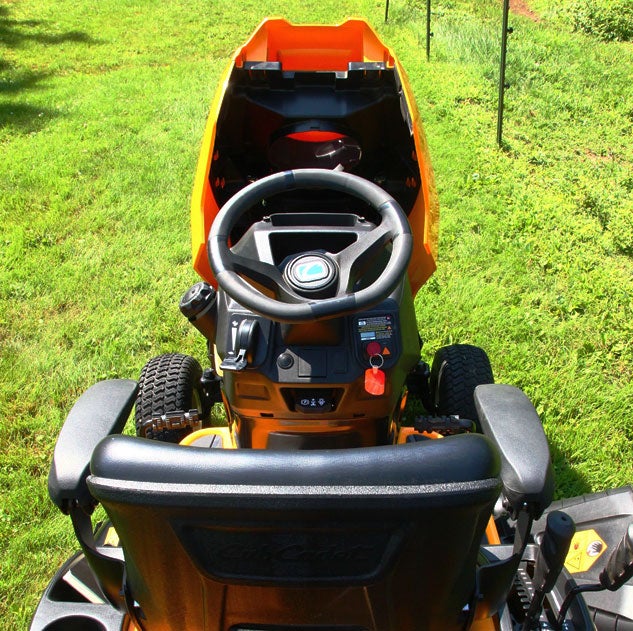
x: 428, y: 29
x: 387, y: 11
x: 502, y: 70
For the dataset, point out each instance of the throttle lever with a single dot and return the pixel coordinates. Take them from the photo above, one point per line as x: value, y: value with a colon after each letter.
x: 245, y: 335
x: 559, y: 531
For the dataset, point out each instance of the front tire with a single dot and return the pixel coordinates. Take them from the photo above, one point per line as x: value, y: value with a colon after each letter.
x: 455, y: 373
x: 168, y: 383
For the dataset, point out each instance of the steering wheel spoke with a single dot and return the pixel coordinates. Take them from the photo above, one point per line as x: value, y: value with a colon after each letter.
x: 355, y: 259
x: 266, y: 275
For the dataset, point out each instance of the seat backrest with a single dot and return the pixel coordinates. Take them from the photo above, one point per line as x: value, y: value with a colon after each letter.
x: 379, y: 538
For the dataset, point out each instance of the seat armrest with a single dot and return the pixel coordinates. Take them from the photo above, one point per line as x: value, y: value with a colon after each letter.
x: 100, y: 411
x: 509, y: 419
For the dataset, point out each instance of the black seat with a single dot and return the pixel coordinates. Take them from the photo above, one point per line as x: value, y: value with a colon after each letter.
x: 380, y: 538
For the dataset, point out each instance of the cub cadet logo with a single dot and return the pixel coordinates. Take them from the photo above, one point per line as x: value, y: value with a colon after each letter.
x: 294, y: 553
x: 311, y: 271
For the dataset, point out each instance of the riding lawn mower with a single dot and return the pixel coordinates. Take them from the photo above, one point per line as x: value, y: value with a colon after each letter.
x: 314, y: 225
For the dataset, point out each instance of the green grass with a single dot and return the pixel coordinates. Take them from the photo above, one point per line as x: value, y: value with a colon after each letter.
x: 102, y: 108
x: 535, y: 240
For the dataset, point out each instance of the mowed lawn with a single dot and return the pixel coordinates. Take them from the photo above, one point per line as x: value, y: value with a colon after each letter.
x: 102, y: 108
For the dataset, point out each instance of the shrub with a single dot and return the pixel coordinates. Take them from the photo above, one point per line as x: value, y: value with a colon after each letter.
x: 607, y: 20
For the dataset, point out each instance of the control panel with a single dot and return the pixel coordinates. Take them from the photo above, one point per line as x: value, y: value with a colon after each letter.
x: 377, y: 335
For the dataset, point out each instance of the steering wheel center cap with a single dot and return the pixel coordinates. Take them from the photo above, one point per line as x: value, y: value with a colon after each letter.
x: 311, y: 274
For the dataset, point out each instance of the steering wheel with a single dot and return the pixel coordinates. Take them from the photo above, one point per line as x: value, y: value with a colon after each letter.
x: 295, y: 299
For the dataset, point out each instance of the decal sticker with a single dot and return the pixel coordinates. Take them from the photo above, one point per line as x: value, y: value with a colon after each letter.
x: 376, y: 328
x: 586, y: 548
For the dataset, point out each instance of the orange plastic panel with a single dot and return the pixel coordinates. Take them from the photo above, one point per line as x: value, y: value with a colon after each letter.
x: 492, y: 534
x: 310, y: 47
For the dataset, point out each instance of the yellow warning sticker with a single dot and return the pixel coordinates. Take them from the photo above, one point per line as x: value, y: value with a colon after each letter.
x: 586, y: 548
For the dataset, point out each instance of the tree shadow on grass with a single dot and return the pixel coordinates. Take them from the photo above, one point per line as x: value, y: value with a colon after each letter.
x: 26, y: 118
x: 16, y: 33
x: 15, y: 82
x: 18, y: 80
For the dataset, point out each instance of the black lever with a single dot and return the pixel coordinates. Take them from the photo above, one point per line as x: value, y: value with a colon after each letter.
x: 619, y: 567
x: 245, y: 334
x: 559, y: 530
x: 618, y: 571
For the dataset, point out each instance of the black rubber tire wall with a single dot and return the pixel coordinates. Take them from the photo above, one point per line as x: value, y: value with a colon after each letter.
x: 168, y: 383
x: 455, y: 373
